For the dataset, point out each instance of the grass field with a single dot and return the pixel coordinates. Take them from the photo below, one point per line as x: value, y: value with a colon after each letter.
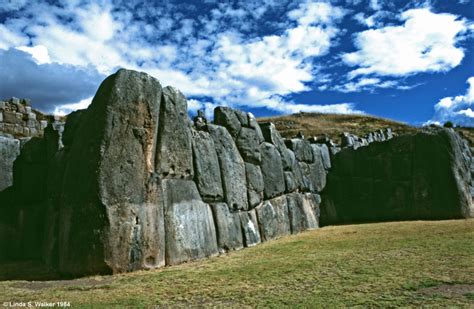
x: 385, y: 264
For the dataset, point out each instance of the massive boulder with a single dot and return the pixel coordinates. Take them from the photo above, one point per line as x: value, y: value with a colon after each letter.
x: 9, y: 151
x: 272, y: 171
x: 174, y: 155
x: 110, y: 193
x: 206, y: 167
x: 189, y: 224
x: 421, y: 176
x: 232, y: 168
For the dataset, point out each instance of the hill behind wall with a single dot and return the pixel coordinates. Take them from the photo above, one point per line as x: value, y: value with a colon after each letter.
x: 132, y: 183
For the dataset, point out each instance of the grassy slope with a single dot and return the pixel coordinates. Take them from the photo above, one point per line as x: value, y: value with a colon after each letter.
x: 385, y: 264
x: 332, y: 125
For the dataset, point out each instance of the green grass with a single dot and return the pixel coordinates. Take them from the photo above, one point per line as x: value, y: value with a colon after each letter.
x: 370, y: 265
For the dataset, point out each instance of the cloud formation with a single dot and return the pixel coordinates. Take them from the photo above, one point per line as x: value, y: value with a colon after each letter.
x: 426, y: 42
x: 458, y: 109
x: 218, y: 55
x: 48, y: 85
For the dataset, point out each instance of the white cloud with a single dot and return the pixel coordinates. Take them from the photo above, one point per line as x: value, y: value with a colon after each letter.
x: 64, y: 109
x: 426, y: 42
x: 457, y: 109
x: 39, y: 53
x: 220, y: 59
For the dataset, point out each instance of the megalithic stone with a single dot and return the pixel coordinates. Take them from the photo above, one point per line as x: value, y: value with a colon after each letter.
x: 111, y: 211
x: 174, y: 153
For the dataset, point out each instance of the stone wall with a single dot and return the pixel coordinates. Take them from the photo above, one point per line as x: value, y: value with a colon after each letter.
x: 422, y: 176
x: 132, y: 183
x: 18, y: 119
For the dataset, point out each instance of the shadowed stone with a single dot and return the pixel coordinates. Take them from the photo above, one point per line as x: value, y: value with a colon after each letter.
x: 189, y: 224
x: 206, y: 167
x: 250, y: 230
x: 232, y: 168
x: 229, y: 233
x: 272, y: 171
x: 174, y: 155
x: 273, y: 218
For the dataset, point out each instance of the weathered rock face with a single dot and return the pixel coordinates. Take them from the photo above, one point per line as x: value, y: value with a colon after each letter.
x: 131, y: 184
x: 189, y: 225
x: 207, y: 169
x: 424, y: 176
x: 232, y: 168
x: 9, y: 151
x: 174, y: 155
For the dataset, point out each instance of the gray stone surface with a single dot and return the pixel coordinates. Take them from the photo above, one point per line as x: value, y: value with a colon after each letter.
x: 273, y: 218
x: 206, y: 167
x: 302, y: 149
x: 189, y: 224
x: 302, y: 214
x: 250, y: 229
x: 249, y: 145
x: 174, y: 153
x: 227, y: 117
x: 229, y: 232
x: 272, y: 171
x: 255, y: 184
x: 109, y: 172
x: 9, y: 151
x: 272, y: 136
x: 232, y: 168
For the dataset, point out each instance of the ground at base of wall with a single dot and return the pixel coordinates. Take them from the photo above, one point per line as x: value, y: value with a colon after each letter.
x: 371, y: 265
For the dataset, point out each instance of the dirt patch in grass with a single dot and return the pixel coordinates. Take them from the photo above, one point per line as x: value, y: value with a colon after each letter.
x: 76, y: 284
x: 449, y: 290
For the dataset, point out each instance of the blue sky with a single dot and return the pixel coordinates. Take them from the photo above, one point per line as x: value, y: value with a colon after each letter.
x: 407, y: 60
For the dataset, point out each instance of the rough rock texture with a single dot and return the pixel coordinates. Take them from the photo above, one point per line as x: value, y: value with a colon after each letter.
x: 206, y: 167
x: 229, y: 232
x: 422, y: 176
x: 302, y: 212
x: 9, y: 151
x: 272, y: 171
x: 130, y: 184
x: 109, y: 181
x: 174, y: 155
x: 232, y: 168
x: 273, y: 218
x: 189, y: 224
x: 250, y: 230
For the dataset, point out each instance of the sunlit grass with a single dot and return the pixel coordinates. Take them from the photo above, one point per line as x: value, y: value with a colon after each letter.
x: 386, y: 264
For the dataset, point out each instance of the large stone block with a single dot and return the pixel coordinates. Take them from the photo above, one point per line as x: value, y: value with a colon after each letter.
x: 302, y: 149
x: 249, y: 145
x: 232, y: 168
x: 174, y: 153
x: 302, y: 215
x: 109, y: 172
x: 273, y: 218
x: 228, y: 118
x: 272, y: 171
x: 250, y: 229
x: 9, y: 151
x: 189, y: 224
x: 272, y: 136
x: 255, y: 184
x: 206, y: 167
x: 229, y: 232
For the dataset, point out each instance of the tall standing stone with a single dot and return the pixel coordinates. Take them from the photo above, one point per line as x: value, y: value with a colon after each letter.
x: 272, y: 171
x: 189, y: 224
x: 206, y: 167
x: 109, y: 195
x: 174, y: 154
x: 232, y: 168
